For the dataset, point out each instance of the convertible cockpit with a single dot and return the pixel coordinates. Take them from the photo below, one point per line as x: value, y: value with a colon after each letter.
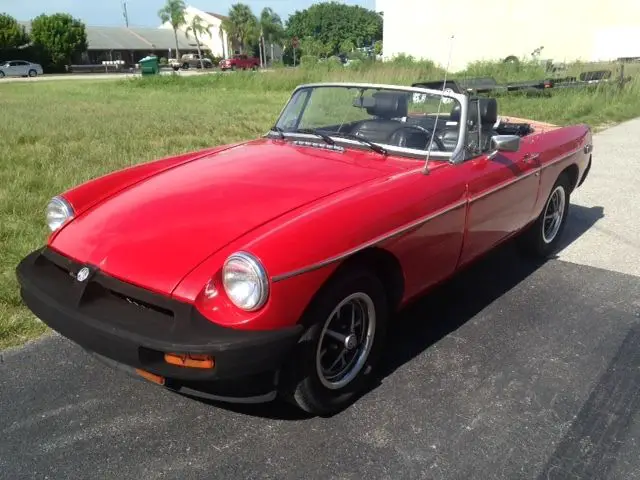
x: 393, y: 124
x: 405, y: 120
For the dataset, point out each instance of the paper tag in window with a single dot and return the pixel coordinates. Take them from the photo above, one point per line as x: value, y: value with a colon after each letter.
x: 419, y: 97
x: 447, y: 99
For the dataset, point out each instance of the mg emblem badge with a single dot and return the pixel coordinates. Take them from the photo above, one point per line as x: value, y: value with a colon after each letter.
x: 83, y: 274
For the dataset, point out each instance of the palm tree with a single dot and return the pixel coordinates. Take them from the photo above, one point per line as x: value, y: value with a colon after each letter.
x: 173, y: 12
x: 242, y: 25
x: 221, y: 32
x: 198, y: 27
x: 272, y: 29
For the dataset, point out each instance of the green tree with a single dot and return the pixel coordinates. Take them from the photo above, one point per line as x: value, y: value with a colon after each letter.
x: 59, y: 36
x: 272, y: 29
x: 221, y: 32
x: 377, y: 48
x: 173, y: 12
x: 12, y: 34
x: 314, y: 47
x: 242, y: 25
x: 335, y: 24
x: 198, y: 27
x: 347, y: 46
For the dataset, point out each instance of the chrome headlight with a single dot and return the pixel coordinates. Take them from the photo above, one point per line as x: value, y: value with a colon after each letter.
x: 245, y: 281
x: 58, y: 211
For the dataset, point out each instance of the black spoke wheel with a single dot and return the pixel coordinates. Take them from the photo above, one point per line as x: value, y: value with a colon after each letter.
x: 541, y: 238
x: 345, y: 341
x: 335, y: 358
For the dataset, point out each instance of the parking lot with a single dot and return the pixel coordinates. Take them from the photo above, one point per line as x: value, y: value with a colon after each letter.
x: 532, y: 375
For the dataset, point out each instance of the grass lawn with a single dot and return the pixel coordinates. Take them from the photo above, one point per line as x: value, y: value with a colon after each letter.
x: 58, y: 134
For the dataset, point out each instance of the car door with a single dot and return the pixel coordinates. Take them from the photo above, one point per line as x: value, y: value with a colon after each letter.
x: 19, y: 68
x: 502, y: 192
x: 11, y: 70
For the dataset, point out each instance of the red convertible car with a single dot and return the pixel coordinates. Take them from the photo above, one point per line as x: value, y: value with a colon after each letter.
x: 273, y: 267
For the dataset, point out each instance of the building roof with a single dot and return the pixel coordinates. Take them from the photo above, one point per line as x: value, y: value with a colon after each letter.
x: 133, y: 38
x: 217, y: 15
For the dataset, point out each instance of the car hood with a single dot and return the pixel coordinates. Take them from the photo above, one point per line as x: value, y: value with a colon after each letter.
x: 155, y: 232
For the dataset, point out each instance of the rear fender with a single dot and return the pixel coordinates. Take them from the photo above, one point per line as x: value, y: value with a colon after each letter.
x: 560, y: 150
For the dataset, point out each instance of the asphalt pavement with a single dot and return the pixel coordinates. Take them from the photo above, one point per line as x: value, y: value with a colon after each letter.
x: 511, y: 370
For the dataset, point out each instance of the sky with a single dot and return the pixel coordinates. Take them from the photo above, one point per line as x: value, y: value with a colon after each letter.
x: 143, y: 13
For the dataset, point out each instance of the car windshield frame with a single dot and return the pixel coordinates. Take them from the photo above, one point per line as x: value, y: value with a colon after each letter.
x: 280, y: 130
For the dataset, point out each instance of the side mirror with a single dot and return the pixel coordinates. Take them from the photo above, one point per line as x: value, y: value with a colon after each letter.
x: 504, y: 143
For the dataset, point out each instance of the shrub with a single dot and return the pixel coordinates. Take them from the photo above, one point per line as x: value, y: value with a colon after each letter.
x: 308, y: 60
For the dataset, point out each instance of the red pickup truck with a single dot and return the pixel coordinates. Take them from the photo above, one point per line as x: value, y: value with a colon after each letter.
x: 239, y: 62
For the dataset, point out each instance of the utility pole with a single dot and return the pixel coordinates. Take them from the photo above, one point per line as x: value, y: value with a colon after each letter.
x: 124, y: 13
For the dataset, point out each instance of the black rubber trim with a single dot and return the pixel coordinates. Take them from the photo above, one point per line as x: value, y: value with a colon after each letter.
x: 257, y: 388
x: 134, y: 326
x: 586, y: 173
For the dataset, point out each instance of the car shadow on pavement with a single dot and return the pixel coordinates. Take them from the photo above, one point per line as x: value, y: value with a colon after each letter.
x: 580, y: 220
x: 440, y: 312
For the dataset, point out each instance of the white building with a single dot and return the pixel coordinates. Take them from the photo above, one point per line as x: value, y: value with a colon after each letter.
x: 217, y: 42
x: 568, y: 30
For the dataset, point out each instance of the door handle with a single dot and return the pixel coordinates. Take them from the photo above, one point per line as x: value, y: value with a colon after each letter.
x: 530, y: 157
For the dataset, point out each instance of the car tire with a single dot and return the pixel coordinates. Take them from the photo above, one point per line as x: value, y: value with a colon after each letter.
x: 33, y: 73
x: 1, y: 74
x: 541, y: 238
x: 306, y: 382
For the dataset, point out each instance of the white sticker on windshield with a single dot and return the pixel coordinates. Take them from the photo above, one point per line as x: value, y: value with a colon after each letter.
x: 419, y: 97
x: 447, y: 99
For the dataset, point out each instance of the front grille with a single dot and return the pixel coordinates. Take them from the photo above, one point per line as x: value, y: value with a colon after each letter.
x: 102, y: 296
x: 140, y: 304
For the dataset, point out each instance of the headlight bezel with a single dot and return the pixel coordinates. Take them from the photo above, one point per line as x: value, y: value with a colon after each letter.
x: 64, y: 207
x: 256, y: 266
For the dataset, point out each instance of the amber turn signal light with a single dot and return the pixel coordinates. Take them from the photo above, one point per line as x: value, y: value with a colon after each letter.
x: 152, y: 377
x: 190, y: 360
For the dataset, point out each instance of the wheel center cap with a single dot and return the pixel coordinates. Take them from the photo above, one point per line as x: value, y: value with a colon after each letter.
x: 351, y: 342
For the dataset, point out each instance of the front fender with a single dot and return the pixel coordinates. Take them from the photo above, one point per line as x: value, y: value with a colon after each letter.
x: 301, y: 249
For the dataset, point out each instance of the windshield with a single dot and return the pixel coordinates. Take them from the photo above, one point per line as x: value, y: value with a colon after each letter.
x: 403, y: 121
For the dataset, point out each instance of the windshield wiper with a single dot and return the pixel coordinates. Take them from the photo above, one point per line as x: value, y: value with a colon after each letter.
x: 313, y: 131
x: 277, y: 129
x: 351, y: 136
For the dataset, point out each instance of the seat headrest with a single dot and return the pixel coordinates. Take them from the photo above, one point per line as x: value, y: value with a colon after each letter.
x: 454, y: 116
x: 488, y: 111
x: 389, y: 105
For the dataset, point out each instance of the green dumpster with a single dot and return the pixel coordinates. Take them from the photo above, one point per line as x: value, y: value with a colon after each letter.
x: 149, y: 65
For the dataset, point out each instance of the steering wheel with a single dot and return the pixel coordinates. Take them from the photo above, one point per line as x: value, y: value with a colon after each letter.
x: 428, y: 132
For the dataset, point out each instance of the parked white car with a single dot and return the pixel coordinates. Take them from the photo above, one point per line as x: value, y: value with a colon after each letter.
x: 20, y: 68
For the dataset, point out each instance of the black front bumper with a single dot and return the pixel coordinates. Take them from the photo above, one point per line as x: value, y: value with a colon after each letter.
x: 134, y: 328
